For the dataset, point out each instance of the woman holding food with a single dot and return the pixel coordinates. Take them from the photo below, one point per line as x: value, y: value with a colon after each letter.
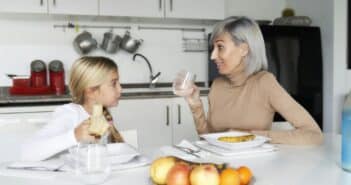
x: 94, y: 86
x: 246, y: 96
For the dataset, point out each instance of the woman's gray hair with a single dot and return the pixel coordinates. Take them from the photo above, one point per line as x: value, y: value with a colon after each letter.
x: 245, y: 30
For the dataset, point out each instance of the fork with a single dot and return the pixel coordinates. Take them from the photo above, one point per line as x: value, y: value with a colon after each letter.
x: 188, y: 150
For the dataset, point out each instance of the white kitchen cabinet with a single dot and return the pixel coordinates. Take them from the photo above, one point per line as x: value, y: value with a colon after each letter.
x: 195, y: 9
x: 75, y: 7
x: 150, y: 117
x: 159, y: 122
x: 23, y: 6
x: 187, y: 9
x: 132, y: 8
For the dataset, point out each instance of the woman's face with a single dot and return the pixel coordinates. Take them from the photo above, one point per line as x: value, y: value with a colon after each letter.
x: 226, y: 55
x: 109, y: 92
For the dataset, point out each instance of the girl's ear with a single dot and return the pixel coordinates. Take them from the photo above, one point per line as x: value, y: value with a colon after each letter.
x: 244, y: 49
x: 90, y: 93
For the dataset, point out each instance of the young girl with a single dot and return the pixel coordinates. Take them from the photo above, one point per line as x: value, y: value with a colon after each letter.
x: 93, y: 80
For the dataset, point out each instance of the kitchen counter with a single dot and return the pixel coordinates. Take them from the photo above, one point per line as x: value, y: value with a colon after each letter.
x: 128, y: 92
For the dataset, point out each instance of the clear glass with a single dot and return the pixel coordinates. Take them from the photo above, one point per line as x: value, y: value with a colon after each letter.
x: 183, y: 82
x: 92, y: 165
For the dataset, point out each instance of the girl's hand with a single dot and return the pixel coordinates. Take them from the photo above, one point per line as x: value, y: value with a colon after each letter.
x: 82, y: 134
x: 194, y: 97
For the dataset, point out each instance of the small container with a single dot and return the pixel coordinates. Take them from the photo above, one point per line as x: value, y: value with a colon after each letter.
x: 346, y: 135
x: 57, y: 77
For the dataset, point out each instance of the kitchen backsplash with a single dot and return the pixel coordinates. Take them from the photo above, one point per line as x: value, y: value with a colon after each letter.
x: 26, y: 38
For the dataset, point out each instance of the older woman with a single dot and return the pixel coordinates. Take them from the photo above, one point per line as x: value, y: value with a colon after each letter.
x: 246, y: 96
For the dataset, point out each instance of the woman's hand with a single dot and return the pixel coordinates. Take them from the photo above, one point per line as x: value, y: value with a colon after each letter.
x: 81, y: 132
x: 194, y: 97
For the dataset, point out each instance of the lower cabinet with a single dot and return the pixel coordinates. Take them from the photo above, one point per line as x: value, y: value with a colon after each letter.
x: 160, y: 121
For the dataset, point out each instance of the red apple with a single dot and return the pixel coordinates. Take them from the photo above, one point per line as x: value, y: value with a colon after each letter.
x: 160, y: 168
x: 179, y: 174
x: 204, y: 175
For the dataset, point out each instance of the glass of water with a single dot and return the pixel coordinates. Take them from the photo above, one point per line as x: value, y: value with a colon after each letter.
x: 92, y: 164
x: 183, y: 82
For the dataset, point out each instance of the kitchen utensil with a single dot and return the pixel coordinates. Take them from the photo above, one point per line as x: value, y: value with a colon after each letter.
x: 84, y: 43
x: 187, y: 150
x: 129, y: 44
x: 14, y: 76
x: 57, y: 77
x: 38, y: 73
x: 111, y: 43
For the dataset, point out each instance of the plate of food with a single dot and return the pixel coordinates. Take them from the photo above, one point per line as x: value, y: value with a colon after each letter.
x: 234, y: 140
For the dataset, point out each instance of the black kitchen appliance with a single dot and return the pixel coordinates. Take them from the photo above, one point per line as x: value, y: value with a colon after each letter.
x: 295, y: 57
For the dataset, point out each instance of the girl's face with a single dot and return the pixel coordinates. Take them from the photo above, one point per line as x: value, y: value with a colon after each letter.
x: 109, y: 92
x: 226, y: 55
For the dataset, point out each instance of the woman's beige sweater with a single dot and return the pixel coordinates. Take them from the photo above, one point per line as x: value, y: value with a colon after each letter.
x: 241, y: 102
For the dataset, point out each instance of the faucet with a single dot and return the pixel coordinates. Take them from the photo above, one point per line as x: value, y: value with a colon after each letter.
x: 153, y: 78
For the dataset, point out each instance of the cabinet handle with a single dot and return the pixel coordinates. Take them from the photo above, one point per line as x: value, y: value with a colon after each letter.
x: 179, y: 115
x: 41, y: 2
x: 54, y: 2
x: 171, y: 5
x: 159, y: 5
x: 167, y: 113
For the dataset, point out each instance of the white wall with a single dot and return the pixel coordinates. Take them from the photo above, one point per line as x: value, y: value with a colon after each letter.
x: 28, y: 37
x: 331, y: 16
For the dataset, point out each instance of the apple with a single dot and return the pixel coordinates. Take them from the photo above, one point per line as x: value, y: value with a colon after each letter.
x: 179, y: 174
x: 204, y: 175
x: 160, y: 168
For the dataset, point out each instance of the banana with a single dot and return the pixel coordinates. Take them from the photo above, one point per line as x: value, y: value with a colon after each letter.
x: 236, y: 139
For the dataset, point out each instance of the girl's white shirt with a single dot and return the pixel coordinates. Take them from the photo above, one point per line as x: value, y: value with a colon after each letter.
x: 57, y: 135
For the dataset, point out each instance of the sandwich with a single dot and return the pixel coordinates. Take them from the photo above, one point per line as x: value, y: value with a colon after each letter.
x: 98, y: 123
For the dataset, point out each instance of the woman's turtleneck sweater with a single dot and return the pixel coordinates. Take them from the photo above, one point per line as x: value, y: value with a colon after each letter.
x: 241, y: 102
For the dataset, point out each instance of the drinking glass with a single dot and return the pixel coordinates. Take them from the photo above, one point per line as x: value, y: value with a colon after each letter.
x: 183, y: 82
x: 91, y: 163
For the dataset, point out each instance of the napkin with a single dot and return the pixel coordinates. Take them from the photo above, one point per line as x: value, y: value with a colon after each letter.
x: 181, y: 151
x: 252, y: 151
x: 48, y: 165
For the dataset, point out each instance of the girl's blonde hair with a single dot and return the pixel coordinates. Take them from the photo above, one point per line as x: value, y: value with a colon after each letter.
x: 89, y: 72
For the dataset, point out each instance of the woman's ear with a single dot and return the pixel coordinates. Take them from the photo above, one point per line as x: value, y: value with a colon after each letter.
x: 244, y: 49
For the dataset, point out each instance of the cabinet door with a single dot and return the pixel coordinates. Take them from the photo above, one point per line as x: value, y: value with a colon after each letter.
x: 75, y: 7
x: 23, y: 6
x: 183, y: 122
x: 132, y: 8
x: 195, y: 9
x: 151, y: 118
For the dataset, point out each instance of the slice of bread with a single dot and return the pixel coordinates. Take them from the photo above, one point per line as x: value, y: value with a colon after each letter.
x: 98, y: 123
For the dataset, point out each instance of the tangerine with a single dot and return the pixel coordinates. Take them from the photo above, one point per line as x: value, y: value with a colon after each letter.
x: 229, y: 176
x: 245, y: 175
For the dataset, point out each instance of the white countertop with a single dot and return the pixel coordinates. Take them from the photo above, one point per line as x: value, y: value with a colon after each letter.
x: 290, y: 165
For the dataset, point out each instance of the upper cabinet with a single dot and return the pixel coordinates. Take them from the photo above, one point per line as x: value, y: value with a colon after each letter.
x: 76, y: 7
x: 188, y: 9
x: 23, y: 6
x: 132, y: 8
x: 195, y: 9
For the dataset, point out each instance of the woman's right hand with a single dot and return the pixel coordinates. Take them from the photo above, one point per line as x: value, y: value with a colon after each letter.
x: 194, y: 97
x: 81, y: 132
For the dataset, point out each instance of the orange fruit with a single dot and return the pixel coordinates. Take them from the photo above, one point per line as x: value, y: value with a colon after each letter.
x: 245, y: 175
x: 229, y: 176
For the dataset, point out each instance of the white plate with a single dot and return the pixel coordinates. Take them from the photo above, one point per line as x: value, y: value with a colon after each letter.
x: 121, y: 153
x: 265, y: 148
x: 213, y: 139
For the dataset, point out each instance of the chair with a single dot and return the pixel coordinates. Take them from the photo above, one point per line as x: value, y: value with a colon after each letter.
x: 130, y: 137
x: 282, y: 125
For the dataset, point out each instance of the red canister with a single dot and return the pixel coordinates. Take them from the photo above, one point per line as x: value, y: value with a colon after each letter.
x: 57, y: 77
x: 38, y: 74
